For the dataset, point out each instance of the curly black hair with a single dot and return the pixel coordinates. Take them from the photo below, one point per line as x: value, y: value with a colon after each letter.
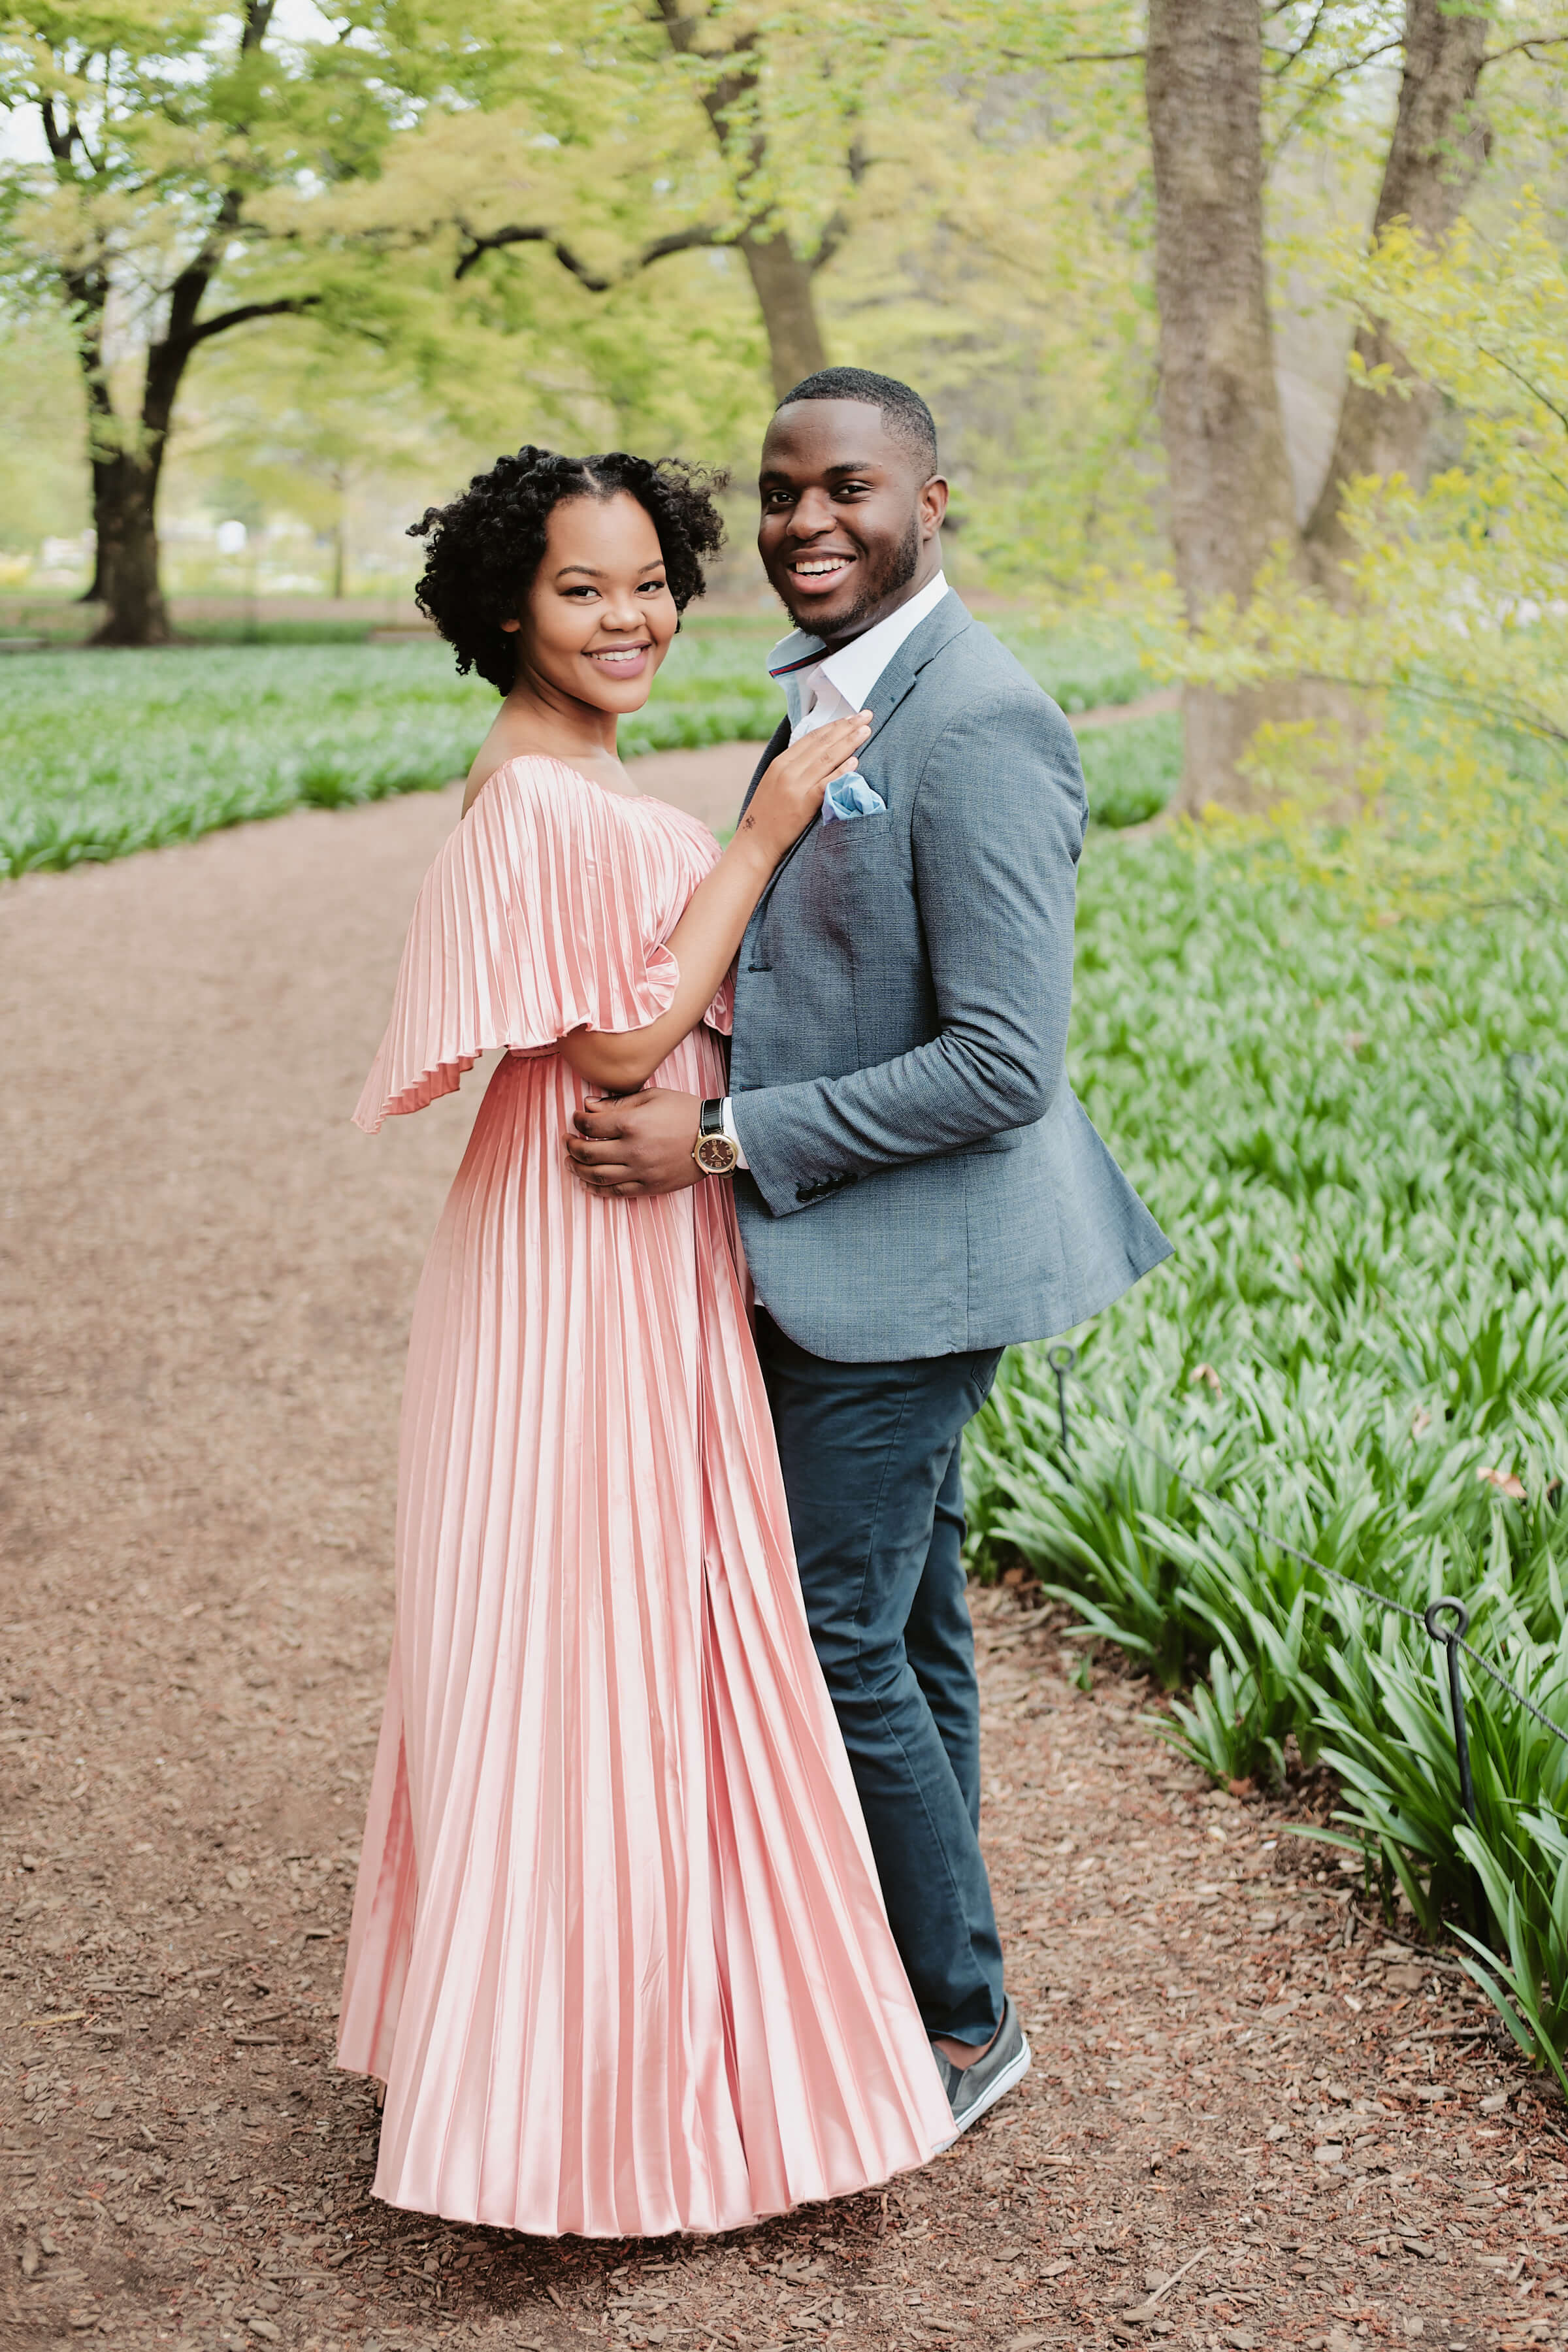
x: 485, y: 547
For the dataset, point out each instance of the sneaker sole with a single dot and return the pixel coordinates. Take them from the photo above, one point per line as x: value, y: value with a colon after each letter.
x: 1011, y: 2074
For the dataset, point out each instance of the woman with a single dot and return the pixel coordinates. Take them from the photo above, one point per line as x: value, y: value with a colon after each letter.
x: 618, y: 1950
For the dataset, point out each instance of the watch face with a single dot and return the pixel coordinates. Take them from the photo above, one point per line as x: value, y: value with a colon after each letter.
x: 715, y: 1155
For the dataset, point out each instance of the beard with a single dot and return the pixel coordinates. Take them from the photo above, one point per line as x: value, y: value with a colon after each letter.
x: 896, y: 569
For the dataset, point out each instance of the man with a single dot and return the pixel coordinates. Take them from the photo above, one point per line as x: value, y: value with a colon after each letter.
x: 917, y: 1184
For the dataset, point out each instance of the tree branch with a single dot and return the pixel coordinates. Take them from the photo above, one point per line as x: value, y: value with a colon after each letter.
x: 1289, y: 57
x: 479, y: 246
x: 59, y: 143
x: 286, y: 305
x: 683, y: 30
x: 1073, y: 57
x: 835, y: 231
x: 1337, y: 73
x: 684, y: 240
x: 837, y: 227
x: 1535, y: 41
x: 1534, y: 389
x: 258, y: 18
x: 680, y: 240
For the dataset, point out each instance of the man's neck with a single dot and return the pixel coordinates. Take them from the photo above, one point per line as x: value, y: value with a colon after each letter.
x: 885, y: 611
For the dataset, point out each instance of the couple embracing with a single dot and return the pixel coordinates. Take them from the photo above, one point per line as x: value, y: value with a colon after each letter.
x: 672, y: 1912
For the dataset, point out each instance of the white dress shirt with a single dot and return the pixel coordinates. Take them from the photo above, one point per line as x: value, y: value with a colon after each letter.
x: 821, y: 686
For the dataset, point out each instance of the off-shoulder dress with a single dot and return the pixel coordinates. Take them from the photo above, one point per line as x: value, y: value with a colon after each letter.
x: 618, y: 1950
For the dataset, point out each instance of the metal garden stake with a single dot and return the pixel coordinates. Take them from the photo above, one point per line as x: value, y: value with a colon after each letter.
x: 1450, y: 1636
x: 1063, y: 1359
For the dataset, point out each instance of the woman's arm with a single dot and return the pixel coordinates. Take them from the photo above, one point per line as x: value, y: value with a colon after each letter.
x: 705, y: 941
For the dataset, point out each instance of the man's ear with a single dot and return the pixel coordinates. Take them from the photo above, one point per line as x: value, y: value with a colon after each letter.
x: 933, y: 506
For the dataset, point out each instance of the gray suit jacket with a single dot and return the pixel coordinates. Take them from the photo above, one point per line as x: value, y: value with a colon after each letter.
x: 923, y: 1180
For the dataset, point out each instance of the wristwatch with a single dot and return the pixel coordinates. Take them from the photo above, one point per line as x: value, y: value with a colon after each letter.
x: 713, y: 1152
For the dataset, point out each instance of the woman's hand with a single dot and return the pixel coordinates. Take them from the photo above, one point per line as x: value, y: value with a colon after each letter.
x: 705, y: 940
x: 789, y: 794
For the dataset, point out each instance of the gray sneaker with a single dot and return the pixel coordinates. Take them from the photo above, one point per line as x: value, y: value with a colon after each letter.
x: 971, y: 2090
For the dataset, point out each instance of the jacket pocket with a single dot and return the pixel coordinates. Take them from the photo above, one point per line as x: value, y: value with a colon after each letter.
x: 847, y: 834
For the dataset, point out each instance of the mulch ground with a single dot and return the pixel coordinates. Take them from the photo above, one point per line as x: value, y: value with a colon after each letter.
x: 1251, y: 2121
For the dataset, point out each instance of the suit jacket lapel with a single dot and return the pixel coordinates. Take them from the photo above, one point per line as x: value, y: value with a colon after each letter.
x: 938, y: 629
x: 779, y: 742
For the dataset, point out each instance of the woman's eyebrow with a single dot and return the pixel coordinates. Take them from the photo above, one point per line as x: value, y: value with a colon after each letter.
x: 592, y: 572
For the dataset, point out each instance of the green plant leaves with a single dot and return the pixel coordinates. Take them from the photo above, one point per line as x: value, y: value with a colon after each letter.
x: 1362, y: 1344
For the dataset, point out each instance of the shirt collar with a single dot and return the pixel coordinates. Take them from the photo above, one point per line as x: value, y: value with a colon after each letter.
x: 855, y: 669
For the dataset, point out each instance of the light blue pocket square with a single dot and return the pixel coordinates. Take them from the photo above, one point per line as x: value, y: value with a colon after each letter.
x: 849, y: 796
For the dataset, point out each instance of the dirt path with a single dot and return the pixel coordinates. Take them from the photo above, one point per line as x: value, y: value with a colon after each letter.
x: 206, y: 1279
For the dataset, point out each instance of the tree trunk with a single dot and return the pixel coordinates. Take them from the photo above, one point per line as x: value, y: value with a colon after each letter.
x: 1438, y: 146
x: 339, y: 535
x: 93, y: 592
x: 779, y: 278
x: 126, y: 500
x: 1224, y: 443
x: 86, y: 292
x: 134, y: 610
x: 781, y: 281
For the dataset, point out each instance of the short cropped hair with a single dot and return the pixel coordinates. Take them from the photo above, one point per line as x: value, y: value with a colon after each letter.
x: 486, y: 546
x: 903, y: 412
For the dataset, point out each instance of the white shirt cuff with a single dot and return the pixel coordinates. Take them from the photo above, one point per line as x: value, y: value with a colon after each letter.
x: 727, y: 1117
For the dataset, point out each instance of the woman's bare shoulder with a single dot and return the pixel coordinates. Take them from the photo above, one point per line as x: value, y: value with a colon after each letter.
x: 527, y: 769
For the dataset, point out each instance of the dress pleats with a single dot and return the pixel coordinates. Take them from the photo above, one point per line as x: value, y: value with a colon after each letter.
x: 618, y: 1950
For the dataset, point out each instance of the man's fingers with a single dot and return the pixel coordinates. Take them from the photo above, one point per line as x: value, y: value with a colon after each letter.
x: 604, y: 1178
x: 601, y: 1121
x: 590, y: 1150
x: 601, y: 1167
x: 623, y: 1106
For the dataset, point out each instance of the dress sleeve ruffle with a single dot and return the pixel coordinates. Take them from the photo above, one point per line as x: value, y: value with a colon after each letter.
x: 721, y: 1013
x: 528, y: 926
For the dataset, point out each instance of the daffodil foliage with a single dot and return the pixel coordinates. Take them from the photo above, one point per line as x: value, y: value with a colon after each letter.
x: 1357, y: 1141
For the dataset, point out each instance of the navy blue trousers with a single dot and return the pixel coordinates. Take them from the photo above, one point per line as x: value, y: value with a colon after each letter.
x: 872, y: 1470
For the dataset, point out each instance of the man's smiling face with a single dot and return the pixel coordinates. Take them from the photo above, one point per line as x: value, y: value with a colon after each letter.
x: 849, y: 518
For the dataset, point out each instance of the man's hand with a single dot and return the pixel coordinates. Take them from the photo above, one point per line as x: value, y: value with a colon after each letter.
x: 638, y: 1144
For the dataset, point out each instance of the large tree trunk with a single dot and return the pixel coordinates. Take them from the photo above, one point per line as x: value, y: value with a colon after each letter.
x: 87, y: 292
x: 779, y: 278
x: 781, y: 281
x: 1438, y: 146
x: 126, y: 506
x: 134, y: 610
x: 93, y: 592
x: 1224, y: 443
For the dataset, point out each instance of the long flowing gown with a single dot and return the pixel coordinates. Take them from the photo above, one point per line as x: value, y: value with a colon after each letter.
x: 618, y: 1950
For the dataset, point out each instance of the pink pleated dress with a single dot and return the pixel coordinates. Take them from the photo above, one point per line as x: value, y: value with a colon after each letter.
x: 618, y: 1950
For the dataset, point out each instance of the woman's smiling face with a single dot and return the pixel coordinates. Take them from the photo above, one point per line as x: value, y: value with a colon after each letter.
x: 599, y: 617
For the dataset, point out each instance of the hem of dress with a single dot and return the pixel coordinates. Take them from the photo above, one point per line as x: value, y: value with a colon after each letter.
x: 676, y: 2229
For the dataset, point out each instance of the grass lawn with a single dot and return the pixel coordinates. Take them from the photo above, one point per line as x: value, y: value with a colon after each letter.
x: 112, y: 751
x: 1358, y: 1142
